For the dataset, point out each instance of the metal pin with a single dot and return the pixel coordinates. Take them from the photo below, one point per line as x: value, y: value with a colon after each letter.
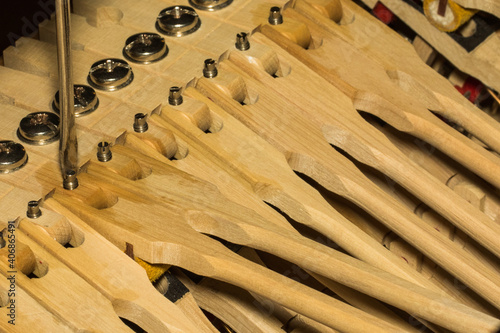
x: 103, y: 152
x: 175, y: 96
x: 70, y: 181
x: 210, y: 70
x: 275, y: 16
x: 33, y: 211
x: 68, y: 155
x: 140, y: 123
x: 242, y: 42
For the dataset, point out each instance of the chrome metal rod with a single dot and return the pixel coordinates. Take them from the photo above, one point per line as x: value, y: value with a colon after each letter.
x: 68, y: 147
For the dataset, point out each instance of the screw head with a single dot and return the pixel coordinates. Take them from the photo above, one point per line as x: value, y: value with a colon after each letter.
x: 178, y: 21
x: 39, y: 128
x: 275, y: 16
x: 110, y: 74
x: 210, y: 5
x: 242, y: 42
x: 86, y: 100
x: 13, y: 156
x: 145, y: 48
x: 33, y: 211
x: 140, y: 123
x: 210, y: 69
x: 175, y: 96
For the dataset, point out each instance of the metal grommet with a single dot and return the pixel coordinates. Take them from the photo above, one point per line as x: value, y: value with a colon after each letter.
x: 70, y: 182
x: 86, y: 100
x: 140, y: 123
x: 110, y: 74
x: 210, y: 69
x: 13, y: 156
x: 145, y: 48
x: 242, y: 42
x: 275, y: 16
x: 178, y: 21
x: 34, y: 210
x: 104, y: 152
x: 210, y: 5
x: 39, y: 128
x: 175, y: 96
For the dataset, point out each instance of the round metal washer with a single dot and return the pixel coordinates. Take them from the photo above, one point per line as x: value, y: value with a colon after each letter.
x: 86, y: 100
x: 110, y: 74
x: 210, y: 5
x: 145, y: 48
x: 13, y: 156
x: 39, y: 128
x: 178, y: 21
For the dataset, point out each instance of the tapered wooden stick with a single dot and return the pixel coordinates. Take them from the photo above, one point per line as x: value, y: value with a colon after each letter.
x: 331, y: 170
x: 219, y: 218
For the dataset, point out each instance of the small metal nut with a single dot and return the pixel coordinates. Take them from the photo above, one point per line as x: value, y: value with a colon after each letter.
x: 39, y: 128
x: 178, y: 21
x: 242, y: 42
x: 210, y: 69
x: 275, y: 16
x: 140, y: 123
x: 13, y: 156
x: 145, y: 48
x: 210, y: 5
x: 104, y: 152
x: 70, y: 182
x: 110, y: 74
x: 86, y: 100
x: 33, y: 211
x: 175, y: 96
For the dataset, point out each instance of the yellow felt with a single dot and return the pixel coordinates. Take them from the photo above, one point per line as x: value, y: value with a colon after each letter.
x: 154, y: 271
x: 455, y: 15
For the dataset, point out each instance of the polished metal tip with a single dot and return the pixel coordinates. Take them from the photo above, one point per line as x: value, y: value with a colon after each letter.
x: 140, y: 123
x: 175, y: 96
x: 275, y: 16
x: 242, y: 42
x: 210, y: 70
x: 70, y: 181
x: 33, y: 211
x: 104, y: 152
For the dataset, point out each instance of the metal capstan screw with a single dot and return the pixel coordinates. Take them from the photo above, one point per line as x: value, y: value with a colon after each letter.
x: 175, y: 96
x: 210, y: 70
x: 145, y: 48
x: 33, y: 211
x: 13, y: 156
x: 86, y: 101
x: 275, y: 16
x: 242, y: 42
x: 110, y: 74
x: 70, y: 182
x: 104, y: 152
x: 39, y: 128
x: 140, y: 123
x: 178, y: 21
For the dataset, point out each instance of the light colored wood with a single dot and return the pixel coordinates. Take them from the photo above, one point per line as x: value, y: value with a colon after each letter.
x: 424, y: 50
x: 114, y: 275
x: 490, y: 6
x: 62, y: 292
x: 333, y: 115
x: 320, y: 162
x: 371, y: 90
x: 480, y: 63
x: 243, y: 230
x: 171, y: 242
x: 236, y: 306
x: 399, y: 58
x: 367, y: 251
